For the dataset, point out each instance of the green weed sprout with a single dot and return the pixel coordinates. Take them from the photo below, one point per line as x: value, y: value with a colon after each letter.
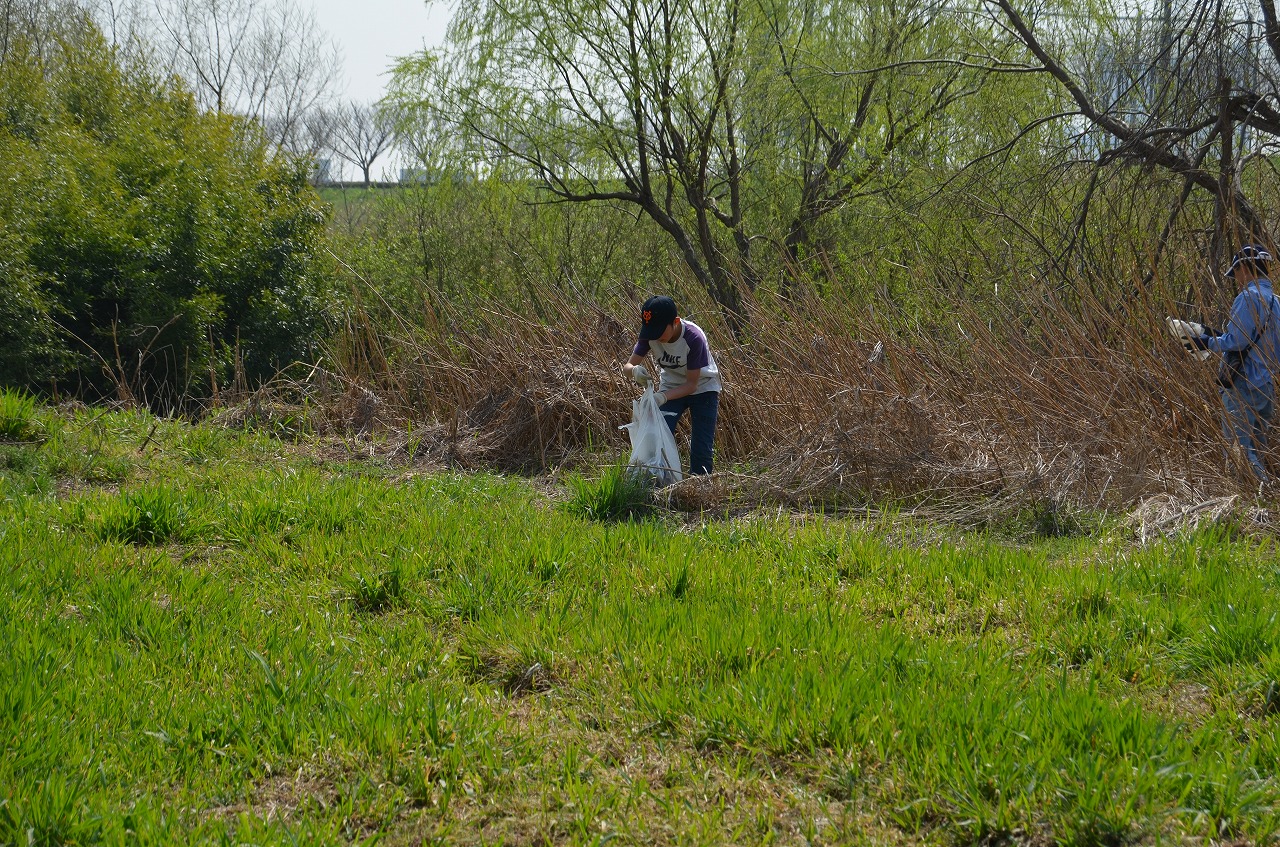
x: 375, y: 592
x: 618, y: 495
x: 150, y: 516
x: 18, y: 421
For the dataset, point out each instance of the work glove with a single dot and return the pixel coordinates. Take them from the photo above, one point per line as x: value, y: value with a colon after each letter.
x: 660, y: 396
x: 641, y: 375
x: 1192, y: 336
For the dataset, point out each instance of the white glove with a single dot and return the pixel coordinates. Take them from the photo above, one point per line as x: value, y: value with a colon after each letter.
x: 660, y: 396
x: 1186, y: 331
x: 641, y: 375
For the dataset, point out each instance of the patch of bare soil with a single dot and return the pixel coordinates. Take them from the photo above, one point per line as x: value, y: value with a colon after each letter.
x: 284, y: 797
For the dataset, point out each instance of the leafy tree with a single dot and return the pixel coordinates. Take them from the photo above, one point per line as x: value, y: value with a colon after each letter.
x: 158, y: 249
x: 715, y: 118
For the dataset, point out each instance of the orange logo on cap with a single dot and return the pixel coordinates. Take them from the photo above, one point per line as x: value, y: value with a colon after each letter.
x: 646, y: 314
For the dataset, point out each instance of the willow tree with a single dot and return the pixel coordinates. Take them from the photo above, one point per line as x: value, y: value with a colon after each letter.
x: 1190, y: 89
x: 735, y: 125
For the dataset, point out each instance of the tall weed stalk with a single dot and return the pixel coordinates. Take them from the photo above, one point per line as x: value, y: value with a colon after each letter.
x: 1047, y: 395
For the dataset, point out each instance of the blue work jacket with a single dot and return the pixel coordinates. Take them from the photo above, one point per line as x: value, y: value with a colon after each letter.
x: 1255, y: 314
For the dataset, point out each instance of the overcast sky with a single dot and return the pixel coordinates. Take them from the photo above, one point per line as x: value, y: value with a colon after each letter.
x: 371, y: 33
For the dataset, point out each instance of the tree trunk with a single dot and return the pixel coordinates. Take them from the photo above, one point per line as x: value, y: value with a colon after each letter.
x: 711, y: 275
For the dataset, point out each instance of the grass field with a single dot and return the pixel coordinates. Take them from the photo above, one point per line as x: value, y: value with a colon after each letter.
x: 215, y: 636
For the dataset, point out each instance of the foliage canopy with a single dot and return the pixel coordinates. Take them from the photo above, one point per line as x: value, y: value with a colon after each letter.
x: 149, y: 245
x: 737, y: 126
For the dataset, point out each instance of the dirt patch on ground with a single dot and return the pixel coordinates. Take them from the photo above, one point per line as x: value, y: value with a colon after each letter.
x: 1188, y: 702
x: 284, y: 797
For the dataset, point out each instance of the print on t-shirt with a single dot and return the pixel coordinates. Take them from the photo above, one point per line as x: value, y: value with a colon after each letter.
x: 689, y: 351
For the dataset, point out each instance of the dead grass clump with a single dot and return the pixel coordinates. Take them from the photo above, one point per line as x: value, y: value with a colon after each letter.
x: 321, y: 402
x: 1164, y: 515
x: 545, y: 421
x: 357, y: 409
x: 1167, y: 515
x: 869, y: 444
x: 517, y: 672
x: 265, y: 412
x: 706, y: 493
x: 1042, y: 397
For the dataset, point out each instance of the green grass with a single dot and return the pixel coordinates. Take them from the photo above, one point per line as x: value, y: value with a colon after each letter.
x: 18, y: 419
x: 619, y: 494
x: 293, y: 651
x: 149, y: 516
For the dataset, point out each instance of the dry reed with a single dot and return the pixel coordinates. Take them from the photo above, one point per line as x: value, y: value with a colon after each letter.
x: 1027, y: 399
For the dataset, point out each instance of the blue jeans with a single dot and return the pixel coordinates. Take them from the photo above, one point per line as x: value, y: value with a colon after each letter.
x: 1248, y: 416
x: 702, y: 423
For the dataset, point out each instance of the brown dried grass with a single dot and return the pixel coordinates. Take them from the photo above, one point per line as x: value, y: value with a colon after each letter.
x: 828, y: 402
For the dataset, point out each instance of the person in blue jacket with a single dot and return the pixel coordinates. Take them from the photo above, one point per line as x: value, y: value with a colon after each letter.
x: 1249, y: 347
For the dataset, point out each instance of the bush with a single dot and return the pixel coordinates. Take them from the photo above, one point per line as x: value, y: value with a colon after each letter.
x: 150, y: 248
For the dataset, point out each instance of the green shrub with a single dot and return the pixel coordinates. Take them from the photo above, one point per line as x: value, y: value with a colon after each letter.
x: 617, y: 495
x: 150, y: 247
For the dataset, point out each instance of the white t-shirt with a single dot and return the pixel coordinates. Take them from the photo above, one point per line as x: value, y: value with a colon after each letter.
x: 689, y: 351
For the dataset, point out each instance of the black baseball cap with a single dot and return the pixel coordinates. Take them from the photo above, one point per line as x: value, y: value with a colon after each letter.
x: 656, y: 315
x: 1253, y: 255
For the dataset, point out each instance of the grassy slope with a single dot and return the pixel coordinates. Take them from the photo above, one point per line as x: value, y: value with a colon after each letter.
x: 206, y: 635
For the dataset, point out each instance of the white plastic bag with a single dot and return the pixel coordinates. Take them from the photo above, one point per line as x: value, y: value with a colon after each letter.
x: 653, y: 447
